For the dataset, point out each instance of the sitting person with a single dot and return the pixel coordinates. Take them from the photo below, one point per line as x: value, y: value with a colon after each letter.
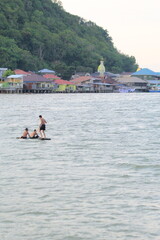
x: 34, y: 134
x: 25, y: 133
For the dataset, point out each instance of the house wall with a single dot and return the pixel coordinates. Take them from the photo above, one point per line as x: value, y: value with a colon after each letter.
x: 15, y: 82
x: 45, y: 85
x: 27, y: 86
x: 71, y: 88
x: 61, y: 88
x: 37, y: 85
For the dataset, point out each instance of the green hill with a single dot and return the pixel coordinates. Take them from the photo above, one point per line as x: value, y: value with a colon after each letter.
x: 40, y: 34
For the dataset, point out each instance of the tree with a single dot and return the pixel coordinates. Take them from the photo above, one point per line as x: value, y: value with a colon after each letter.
x: 7, y: 73
x: 40, y: 33
x: 58, y: 2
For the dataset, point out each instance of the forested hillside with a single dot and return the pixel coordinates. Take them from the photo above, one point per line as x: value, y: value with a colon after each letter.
x: 36, y: 34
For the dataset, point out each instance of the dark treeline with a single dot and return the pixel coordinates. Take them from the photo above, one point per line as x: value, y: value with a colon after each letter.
x: 36, y: 34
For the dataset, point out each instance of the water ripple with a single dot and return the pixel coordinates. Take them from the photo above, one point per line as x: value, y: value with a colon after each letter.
x: 98, y: 178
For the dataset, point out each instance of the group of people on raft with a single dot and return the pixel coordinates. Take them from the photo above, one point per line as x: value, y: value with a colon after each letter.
x: 34, y: 134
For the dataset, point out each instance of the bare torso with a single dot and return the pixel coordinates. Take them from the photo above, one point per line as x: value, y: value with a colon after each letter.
x: 33, y: 134
x: 25, y: 133
x: 42, y: 121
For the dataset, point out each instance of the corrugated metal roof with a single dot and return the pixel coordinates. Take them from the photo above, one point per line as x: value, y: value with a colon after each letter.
x: 130, y: 79
x: 15, y: 76
x: 35, y: 78
x: 46, y: 71
x: 81, y: 79
x: 103, y: 84
x: 63, y: 82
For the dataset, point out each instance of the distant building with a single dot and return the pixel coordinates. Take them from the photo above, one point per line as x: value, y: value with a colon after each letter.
x: 139, y: 85
x: 15, y: 83
x: 145, y: 74
x: 37, y: 83
x: 64, y: 86
x: 92, y: 84
x: 45, y: 71
x: 79, y: 74
x: 154, y: 85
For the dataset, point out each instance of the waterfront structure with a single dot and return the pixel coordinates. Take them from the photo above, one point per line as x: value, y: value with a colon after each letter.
x: 133, y: 83
x: 153, y: 78
x: 100, y: 85
x: 14, y: 83
x: 64, y: 86
x: 29, y: 82
x: 145, y: 74
x: 4, y: 87
x: 83, y: 83
x: 154, y: 85
x: 61, y: 85
x: 158, y: 75
x: 37, y: 84
x: 92, y: 84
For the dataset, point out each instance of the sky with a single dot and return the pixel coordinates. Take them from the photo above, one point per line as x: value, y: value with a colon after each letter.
x: 133, y: 25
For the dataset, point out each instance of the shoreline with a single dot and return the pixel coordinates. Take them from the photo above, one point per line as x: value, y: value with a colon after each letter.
x: 65, y: 92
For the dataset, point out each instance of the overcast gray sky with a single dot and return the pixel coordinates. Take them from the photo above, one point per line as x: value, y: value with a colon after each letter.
x: 133, y: 25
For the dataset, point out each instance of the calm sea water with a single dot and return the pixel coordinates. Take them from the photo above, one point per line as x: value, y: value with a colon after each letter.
x: 97, y: 179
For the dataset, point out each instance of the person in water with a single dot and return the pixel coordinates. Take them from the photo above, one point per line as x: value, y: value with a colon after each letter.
x: 34, y: 134
x: 25, y: 133
x: 42, y: 126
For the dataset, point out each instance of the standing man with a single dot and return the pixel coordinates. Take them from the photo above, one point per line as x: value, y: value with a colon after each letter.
x: 42, y: 126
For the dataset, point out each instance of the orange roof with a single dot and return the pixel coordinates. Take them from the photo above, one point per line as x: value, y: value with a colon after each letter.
x: 21, y: 72
x: 52, y: 76
x: 63, y: 82
x: 81, y: 79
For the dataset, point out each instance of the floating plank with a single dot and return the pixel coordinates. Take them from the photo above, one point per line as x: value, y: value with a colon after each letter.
x: 34, y: 138
x: 44, y: 138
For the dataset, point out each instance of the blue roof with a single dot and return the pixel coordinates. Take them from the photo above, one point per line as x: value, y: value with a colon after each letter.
x: 144, y: 72
x: 46, y: 71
